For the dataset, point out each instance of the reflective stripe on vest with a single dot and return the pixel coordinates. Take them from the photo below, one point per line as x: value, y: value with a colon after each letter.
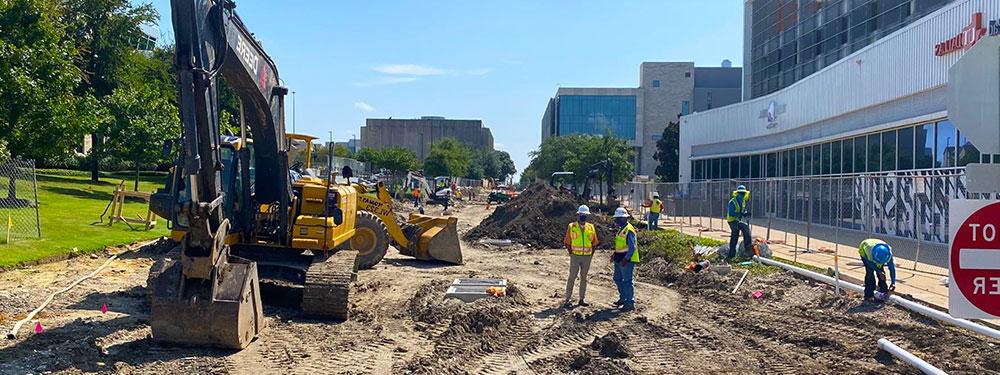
x: 740, y: 204
x: 621, y: 242
x: 655, y: 207
x: 580, y: 240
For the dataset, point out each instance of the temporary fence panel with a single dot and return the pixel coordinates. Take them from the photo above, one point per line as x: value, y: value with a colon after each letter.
x: 18, y: 200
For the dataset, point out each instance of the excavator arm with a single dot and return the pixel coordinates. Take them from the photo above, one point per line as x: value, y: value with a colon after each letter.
x: 210, y: 297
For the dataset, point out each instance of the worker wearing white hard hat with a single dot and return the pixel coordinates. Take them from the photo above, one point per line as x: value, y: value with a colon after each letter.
x: 580, y: 241
x: 625, y: 257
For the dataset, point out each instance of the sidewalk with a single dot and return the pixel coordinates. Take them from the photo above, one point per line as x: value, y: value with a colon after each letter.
x: 923, y: 284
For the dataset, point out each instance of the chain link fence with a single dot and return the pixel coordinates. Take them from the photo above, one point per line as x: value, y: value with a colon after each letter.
x: 910, y: 207
x: 18, y: 200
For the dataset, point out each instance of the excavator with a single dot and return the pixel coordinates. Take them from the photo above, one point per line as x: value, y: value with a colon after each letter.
x: 241, y: 214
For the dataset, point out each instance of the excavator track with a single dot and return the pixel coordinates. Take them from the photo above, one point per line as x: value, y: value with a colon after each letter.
x: 328, y: 286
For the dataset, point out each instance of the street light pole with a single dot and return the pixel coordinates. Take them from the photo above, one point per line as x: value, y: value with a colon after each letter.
x: 293, y: 111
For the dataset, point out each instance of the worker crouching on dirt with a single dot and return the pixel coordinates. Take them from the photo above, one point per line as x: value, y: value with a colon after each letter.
x: 736, y: 212
x: 876, y: 254
x: 625, y: 257
x: 580, y: 241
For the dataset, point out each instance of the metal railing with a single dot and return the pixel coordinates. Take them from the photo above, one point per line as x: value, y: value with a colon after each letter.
x: 18, y: 200
x: 911, y: 206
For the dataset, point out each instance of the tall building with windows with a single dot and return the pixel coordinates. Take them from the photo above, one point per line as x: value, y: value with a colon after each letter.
x: 418, y: 134
x: 787, y: 40
x: 874, y: 123
x: 640, y: 114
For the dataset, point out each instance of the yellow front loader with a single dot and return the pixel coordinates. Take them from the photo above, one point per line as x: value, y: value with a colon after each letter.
x: 421, y: 236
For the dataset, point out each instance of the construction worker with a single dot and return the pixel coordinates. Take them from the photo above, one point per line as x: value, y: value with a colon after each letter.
x: 580, y: 241
x: 655, y: 207
x: 736, y: 211
x: 625, y: 258
x: 876, y: 254
x: 416, y: 197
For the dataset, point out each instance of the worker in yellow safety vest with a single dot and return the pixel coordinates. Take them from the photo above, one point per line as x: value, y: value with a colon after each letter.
x: 655, y: 207
x: 580, y: 241
x: 736, y: 212
x: 625, y: 258
x: 876, y: 254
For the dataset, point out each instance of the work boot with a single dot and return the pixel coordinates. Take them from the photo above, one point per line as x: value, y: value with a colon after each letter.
x: 619, y: 303
x: 567, y: 305
x: 583, y: 303
x: 627, y: 308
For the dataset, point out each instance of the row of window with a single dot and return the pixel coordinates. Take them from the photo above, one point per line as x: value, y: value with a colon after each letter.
x: 926, y: 146
x: 593, y: 114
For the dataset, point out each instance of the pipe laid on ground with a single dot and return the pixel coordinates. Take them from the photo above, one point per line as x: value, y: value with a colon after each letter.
x: 909, y: 358
x: 744, y: 277
x: 910, y: 305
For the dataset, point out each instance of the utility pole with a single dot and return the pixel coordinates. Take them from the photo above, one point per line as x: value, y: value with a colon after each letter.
x: 293, y: 111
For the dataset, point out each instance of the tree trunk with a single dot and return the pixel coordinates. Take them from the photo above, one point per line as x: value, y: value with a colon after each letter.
x: 136, y: 174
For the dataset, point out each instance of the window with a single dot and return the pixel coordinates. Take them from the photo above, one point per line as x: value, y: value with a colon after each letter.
x: 745, y: 167
x: 889, y: 151
x: 825, y: 158
x: 967, y: 153
x: 656, y: 83
x: 924, y: 146
x: 685, y: 107
x: 772, y: 165
x: 945, y: 155
x: 786, y: 163
x: 687, y: 74
x: 804, y: 164
x: 816, y: 157
x: 713, y: 169
x: 596, y: 114
x: 874, y: 156
x: 904, y: 149
x: 847, y: 161
x: 724, y: 168
x: 755, y: 166
x: 734, y: 167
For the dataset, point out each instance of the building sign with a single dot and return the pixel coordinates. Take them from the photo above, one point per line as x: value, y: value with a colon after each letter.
x: 967, y: 38
x: 974, y: 259
x: 771, y: 113
x: 994, y: 29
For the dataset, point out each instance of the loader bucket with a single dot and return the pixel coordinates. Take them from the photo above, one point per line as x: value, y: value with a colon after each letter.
x: 434, y: 238
x: 183, y: 312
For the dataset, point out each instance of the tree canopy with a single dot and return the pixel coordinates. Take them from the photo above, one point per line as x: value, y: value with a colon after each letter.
x: 577, y: 153
x: 668, y: 153
x: 448, y: 157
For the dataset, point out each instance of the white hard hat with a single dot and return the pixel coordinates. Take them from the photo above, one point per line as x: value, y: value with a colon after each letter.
x: 656, y: 195
x: 620, y: 212
x: 583, y: 210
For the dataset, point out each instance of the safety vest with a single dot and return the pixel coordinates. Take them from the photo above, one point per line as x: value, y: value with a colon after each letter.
x: 621, y: 242
x: 655, y: 208
x: 740, y: 205
x: 580, y: 240
x: 865, y: 250
x: 416, y: 193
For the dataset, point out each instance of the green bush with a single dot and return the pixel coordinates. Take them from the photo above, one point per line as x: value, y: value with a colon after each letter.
x: 671, y: 245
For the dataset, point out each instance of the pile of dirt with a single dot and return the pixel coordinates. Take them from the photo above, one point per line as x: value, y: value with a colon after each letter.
x: 538, y: 217
x: 611, y: 345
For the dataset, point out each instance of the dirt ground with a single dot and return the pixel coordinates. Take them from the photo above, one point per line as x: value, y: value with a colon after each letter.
x: 684, y: 323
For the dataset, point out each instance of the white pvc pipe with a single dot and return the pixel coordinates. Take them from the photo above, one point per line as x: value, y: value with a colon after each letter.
x: 909, y: 358
x: 910, y: 305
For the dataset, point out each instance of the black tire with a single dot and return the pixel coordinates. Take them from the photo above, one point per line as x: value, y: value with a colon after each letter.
x: 371, y: 240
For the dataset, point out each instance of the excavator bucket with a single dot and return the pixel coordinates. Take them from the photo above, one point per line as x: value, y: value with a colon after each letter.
x: 433, y: 238
x: 184, y: 312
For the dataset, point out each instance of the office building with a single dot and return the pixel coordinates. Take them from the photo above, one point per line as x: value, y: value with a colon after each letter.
x: 880, y: 111
x: 418, y: 134
x: 787, y: 40
x: 640, y: 114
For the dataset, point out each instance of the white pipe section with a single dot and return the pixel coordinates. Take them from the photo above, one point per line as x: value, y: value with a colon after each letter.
x: 909, y: 358
x: 910, y: 305
x: 744, y: 277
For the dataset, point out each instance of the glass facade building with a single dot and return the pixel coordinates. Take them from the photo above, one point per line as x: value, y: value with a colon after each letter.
x: 595, y: 114
x: 911, y: 149
x: 792, y: 39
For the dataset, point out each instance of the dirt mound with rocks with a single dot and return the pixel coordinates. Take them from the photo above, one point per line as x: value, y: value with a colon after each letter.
x: 538, y: 218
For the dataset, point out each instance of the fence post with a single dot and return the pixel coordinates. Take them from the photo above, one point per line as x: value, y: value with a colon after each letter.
x: 916, y: 223
x: 836, y: 228
x: 34, y: 183
x: 770, y: 186
x: 809, y: 212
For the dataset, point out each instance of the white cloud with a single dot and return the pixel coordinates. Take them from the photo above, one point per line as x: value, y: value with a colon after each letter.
x: 364, y: 106
x: 409, y: 70
x: 383, y: 81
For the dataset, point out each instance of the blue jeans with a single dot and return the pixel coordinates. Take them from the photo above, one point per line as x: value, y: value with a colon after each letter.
x: 623, y: 280
x: 654, y: 220
x: 874, y: 274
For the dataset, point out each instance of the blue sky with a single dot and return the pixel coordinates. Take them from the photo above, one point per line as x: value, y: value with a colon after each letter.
x: 498, y: 61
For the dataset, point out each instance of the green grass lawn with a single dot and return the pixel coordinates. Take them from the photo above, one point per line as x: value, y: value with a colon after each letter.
x: 70, y: 206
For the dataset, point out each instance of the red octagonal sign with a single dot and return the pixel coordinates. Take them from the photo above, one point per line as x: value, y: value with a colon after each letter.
x: 975, y: 260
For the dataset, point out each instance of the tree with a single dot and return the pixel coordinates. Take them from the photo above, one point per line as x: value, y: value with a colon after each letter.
x: 343, y: 151
x: 448, y: 157
x: 397, y: 159
x: 142, y: 120
x: 577, y: 153
x: 366, y: 155
x: 668, y: 153
x: 104, y: 32
x: 40, y: 115
x: 493, y: 164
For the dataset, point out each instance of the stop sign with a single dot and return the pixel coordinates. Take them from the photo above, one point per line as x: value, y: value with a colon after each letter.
x: 974, y: 287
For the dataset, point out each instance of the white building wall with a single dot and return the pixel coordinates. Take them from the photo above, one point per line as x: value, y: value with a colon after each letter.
x: 896, y: 66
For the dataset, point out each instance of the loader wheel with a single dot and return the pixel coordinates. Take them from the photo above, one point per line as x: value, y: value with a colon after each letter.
x: 370, y: 239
